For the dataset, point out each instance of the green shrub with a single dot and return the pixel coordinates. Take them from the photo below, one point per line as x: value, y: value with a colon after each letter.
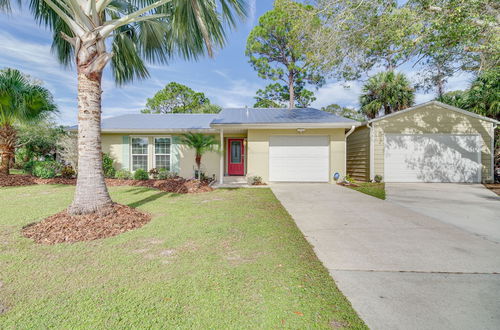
x: 28, y: 166
x: 123, y: 175
x: 68, y: 172
x: 378, y: 178
x: 107, y: 166
x: 46, y: 169
x: 164, y: 174
x: 255, y: 180
x: 140, y: 174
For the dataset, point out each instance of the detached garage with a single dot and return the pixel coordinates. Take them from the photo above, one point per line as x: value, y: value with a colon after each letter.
x: 431, y: 142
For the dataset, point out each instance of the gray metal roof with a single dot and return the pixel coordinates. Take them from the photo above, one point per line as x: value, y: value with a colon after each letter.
x: 277, y: 116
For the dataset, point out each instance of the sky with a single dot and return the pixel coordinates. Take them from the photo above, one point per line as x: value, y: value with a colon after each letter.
x: 227, y: 79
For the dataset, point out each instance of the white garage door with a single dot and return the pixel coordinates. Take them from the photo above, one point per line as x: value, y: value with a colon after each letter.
x: 432, y: 158
x: 299, y: 158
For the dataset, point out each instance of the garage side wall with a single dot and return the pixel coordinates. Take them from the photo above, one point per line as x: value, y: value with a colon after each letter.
x: 358, y: 154
x: 258, y: 149
x: 433, y: 119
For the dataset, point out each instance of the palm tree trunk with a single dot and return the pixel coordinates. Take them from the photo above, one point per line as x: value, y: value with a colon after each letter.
x: 91, y: 192
x: 198, y: 164
x: 7, y: 147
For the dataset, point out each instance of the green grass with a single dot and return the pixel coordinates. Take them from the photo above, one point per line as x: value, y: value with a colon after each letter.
x: 16, y: 171
x: 371, y: 188
x: 225, y: 259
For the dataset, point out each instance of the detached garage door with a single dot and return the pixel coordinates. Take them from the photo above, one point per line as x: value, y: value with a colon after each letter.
x: 432, y: 158
x: 299, y: 158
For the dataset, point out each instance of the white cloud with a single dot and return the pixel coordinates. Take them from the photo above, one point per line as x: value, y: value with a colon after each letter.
x: 344, y: 94
x: 251, y: 13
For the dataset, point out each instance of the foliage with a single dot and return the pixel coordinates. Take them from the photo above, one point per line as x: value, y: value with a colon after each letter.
x: 378, y: 178
x: 28, y: 166
x: 107, y: 165
x: 67, y: 148
x: 153, y: 173
x: 22, y: 101
x: 46, y: 169
x: 164, y: 174
x: 201, y: 144
x: 277, y: 96
x: 255, y: 180
x: 38, y: 139
x: 345, y: 112
x: 178, y: 98
x: 388, y: 91
x: 276, y: 48
x: 68, y: 172
x: 141, y: 174
x: 123, y: 174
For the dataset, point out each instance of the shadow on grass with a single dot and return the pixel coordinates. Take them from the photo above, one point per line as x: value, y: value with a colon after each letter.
x: 148, y: 199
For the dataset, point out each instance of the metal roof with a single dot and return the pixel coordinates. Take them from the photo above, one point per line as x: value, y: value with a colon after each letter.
x: 277, y: 116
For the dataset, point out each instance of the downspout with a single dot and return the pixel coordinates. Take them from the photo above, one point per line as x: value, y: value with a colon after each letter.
x: 494, y: 127
x: 221, y: 163
x: 372, y: 153
x: 345, y: 146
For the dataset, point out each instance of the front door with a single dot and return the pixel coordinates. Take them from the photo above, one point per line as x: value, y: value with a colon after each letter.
x: 235, y: 157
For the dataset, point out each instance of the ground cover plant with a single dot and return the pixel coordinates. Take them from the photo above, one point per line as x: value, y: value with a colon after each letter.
x: 375, y: 189
x: 223, y: 259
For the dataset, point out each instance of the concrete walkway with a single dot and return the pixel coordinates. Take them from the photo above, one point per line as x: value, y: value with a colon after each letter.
x: 400, y: 269
x: 471, y: 207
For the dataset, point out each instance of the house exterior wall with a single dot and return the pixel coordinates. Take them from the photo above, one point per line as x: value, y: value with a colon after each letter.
x: 183, y: 158
x: 358, y: 154
x: 258, y: 149
x: 433, y: 119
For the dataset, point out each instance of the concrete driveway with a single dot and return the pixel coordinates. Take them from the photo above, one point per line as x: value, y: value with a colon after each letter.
x: 471, y: 207
x: 400, y: 269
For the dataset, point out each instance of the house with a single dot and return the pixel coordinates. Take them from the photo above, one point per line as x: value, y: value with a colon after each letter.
x: 430, y: 142
x: 299, y: 145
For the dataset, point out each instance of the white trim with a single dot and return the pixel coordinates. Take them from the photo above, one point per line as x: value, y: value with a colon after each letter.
x: 479, y: 153
x: 288, y: 125
x: 346, y: 135
x: 372, y: 152
x: 154, y: 150
x: 156, y: 130
x: 221, y: 160
x: 443, y: 105
x: 492, y: 153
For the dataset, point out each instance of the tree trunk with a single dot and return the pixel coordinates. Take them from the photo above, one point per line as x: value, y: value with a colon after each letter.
x: 291, y: 91
x: 7, y: 147
x: 198, y: 164
x: 91, y: 192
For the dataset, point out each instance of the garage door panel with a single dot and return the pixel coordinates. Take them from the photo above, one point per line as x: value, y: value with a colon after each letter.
x: 299, y: 158
x: 432, y: 158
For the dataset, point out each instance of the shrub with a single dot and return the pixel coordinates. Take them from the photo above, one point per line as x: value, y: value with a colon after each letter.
x: 123, y: 175
x: 140, y: 174
x: 348, y: 179
x: 154, y: 172
x: 28, y: 166
x: 377, y: 178
x: 164, y: 174
x: 46, y: 169
x: 255, y: 180
x: 107, y: 166
x: 68, y: 172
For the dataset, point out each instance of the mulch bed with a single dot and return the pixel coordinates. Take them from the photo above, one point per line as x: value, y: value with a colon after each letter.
x: 65, y: 228
x: 176, y: 185
x: 495, y: 187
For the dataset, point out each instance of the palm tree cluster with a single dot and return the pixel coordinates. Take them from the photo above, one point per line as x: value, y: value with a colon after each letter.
x: 388, y: 92
x: 137, y: 32
x: 201, y: 144
x: 21, y: 101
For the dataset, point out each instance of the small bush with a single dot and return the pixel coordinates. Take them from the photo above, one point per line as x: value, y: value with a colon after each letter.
x: 123, y: 175
x: 28, y: 166
x: 140, y: 174
x: 164, y: 174
x: 46, y: 169
x: 348, y: 179
x: 68, y: 172
x: 255, y: 180
x: 154, y: 172
x: 377, y: 178
x: 107, y: 166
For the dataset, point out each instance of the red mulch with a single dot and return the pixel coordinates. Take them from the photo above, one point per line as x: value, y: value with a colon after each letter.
x: 176, y: 185
x: 65, y: 228
x: 495, y: 187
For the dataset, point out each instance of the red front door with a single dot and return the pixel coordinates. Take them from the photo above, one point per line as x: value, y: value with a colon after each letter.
x: 235, y: 157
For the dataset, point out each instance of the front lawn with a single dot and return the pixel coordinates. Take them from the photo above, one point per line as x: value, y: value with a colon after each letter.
x: 224, y: 259
x: 371, y: 188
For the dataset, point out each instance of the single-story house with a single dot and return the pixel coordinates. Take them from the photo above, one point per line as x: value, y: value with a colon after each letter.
x: 300, y: 145
x: 430, y: 142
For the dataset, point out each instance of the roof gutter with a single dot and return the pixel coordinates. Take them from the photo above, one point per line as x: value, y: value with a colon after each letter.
x: 286, y: 125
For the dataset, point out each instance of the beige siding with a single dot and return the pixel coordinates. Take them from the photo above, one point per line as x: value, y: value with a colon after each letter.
x: 358, y: 154
x: 113, y: 143
x: 433, y: 119
x: 258, y: 149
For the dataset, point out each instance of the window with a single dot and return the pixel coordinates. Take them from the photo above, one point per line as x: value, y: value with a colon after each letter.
x: 139, y: 153
x: 235, y: 152
x: 162, y: 153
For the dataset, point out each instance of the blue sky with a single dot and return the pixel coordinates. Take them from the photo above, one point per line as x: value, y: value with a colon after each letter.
x: 227, y: 79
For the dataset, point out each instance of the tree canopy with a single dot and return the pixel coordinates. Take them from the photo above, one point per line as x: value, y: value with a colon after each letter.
x: 178, y: 98
x: 277, y: 50
x: 277, y: 96
x: 346, y: 112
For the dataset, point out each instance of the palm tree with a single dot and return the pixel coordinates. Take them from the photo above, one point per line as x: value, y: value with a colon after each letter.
x: 388, y: 91
x: 21, y: 101
x: 201, y: 144
x: 138, y: 31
